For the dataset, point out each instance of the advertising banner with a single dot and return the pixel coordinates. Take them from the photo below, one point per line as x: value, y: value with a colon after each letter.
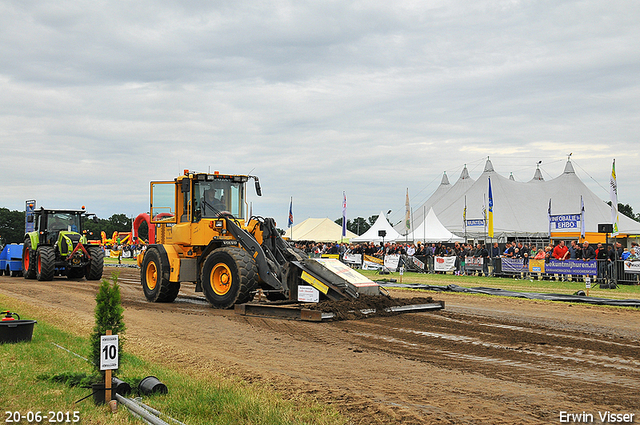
x: 417, y: 262
x: 372, y: 259
x: 353, y: 258
x: 535, y: 266
x: 473, y: 263
x: 477, y: 222
x: 512, y: 264
x: 565, y: 223
x: 578, y: 267
x: 371, y: 263
x: 632, y: 266
x: 391, y: 261
x: 444, y: 264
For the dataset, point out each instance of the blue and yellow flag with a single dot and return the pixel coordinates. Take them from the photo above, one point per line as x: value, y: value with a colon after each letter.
x: 490, y: 231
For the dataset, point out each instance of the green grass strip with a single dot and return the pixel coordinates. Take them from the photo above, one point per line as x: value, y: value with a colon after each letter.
x: 25, y: 385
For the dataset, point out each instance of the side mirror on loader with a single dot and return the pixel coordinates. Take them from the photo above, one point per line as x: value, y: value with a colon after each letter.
x: 258, y: 188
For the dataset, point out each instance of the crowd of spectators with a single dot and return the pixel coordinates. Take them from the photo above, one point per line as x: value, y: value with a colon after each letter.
x: 605, y: 254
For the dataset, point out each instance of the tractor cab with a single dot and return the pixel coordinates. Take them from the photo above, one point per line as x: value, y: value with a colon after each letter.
x: 55, y: 244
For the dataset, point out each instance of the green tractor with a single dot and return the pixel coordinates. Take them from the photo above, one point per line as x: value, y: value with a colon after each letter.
x: 54, y: 245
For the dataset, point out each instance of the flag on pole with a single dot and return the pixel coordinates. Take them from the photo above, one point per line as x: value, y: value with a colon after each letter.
x: 290, y: 222
x: 464, y: 214
x: 490, y: 210
x: 613, y: 189
x: 582, y: 224
x: 344, y: 214
x: 484, y: 210
x: 549, y: 217
x: 407, y: 216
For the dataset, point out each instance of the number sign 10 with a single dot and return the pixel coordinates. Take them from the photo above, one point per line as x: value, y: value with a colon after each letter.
x: 108, y: 352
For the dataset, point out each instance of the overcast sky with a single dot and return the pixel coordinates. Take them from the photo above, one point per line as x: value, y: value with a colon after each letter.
x: 371, y: 98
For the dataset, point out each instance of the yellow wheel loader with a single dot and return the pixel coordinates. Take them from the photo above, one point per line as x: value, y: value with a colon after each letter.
x: 204, y: 237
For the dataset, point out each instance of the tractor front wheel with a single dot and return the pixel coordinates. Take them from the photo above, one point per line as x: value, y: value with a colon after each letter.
x: 94, y: 269
x: 28, y: 261
x: 46, y: 263
x: 155, y: 286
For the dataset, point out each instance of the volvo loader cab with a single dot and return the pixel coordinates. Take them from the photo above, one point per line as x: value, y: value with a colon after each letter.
x: 203, y: 236
x: 55, y: 244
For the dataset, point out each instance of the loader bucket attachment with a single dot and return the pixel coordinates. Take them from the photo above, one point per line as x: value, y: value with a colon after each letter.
x: 335, y: 279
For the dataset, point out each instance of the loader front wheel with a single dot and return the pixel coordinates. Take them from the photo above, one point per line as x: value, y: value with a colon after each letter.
x: 228, y: 276
x: 155, y: 286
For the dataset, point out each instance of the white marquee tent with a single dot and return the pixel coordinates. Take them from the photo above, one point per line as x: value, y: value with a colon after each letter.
x: 372, y: 235
x: 430, y: 230
x: 317, y: 230
x: 520, y: 209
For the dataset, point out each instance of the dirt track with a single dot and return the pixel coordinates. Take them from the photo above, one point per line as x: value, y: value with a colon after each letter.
x: 482, y: 360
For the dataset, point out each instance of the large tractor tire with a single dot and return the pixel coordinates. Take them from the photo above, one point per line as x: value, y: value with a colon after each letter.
x: 154, y: 285
x: 96, y: 265
x: 228, y: 276
x: 28, y: 261
x: 46, y: 262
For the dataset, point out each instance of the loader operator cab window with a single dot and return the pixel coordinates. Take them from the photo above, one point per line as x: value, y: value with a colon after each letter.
x: 212, y: 198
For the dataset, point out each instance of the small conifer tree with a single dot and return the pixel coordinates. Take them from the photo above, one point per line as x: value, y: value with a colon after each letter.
x: 108, y: 314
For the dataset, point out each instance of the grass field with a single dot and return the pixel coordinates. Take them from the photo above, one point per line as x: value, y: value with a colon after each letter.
x: 210, y: 399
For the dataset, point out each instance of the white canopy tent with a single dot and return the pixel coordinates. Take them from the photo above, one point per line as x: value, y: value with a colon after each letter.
x: 429, y: 231
x: 372, y: 234
x: 317, y: 230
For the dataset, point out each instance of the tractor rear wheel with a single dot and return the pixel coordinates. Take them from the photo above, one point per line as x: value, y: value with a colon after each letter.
x: 155, y: 286
x: 228, y: 276
x: 96, y: 264
x: 46, y: 262
x: 28, y: 261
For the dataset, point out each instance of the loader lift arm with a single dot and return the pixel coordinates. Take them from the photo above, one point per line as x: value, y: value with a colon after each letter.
x: 281, y: 255
x: 251, y: 245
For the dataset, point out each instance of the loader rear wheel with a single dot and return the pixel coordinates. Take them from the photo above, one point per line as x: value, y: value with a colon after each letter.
x: 95, y: 267
x: 28, y: 262
x: 46, y: 263
x: 155, y: 286
x: 228, y: 276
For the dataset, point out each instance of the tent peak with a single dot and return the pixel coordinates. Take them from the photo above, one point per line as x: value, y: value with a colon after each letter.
x: 488, y: 166
x: 538, y: 174
x: 445, y: 179
x: 568, y: 169
x: 465, y: 173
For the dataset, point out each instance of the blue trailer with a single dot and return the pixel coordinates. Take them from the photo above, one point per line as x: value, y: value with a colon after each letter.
x: 11, y: 260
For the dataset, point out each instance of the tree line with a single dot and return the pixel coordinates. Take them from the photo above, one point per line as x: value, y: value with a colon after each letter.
x: 358, y: 225
x: 12, y: 226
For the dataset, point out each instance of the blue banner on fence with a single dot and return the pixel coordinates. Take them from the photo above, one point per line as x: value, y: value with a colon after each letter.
x: 571, y: 267
x: 565, y: 222
x: 512, y: 264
